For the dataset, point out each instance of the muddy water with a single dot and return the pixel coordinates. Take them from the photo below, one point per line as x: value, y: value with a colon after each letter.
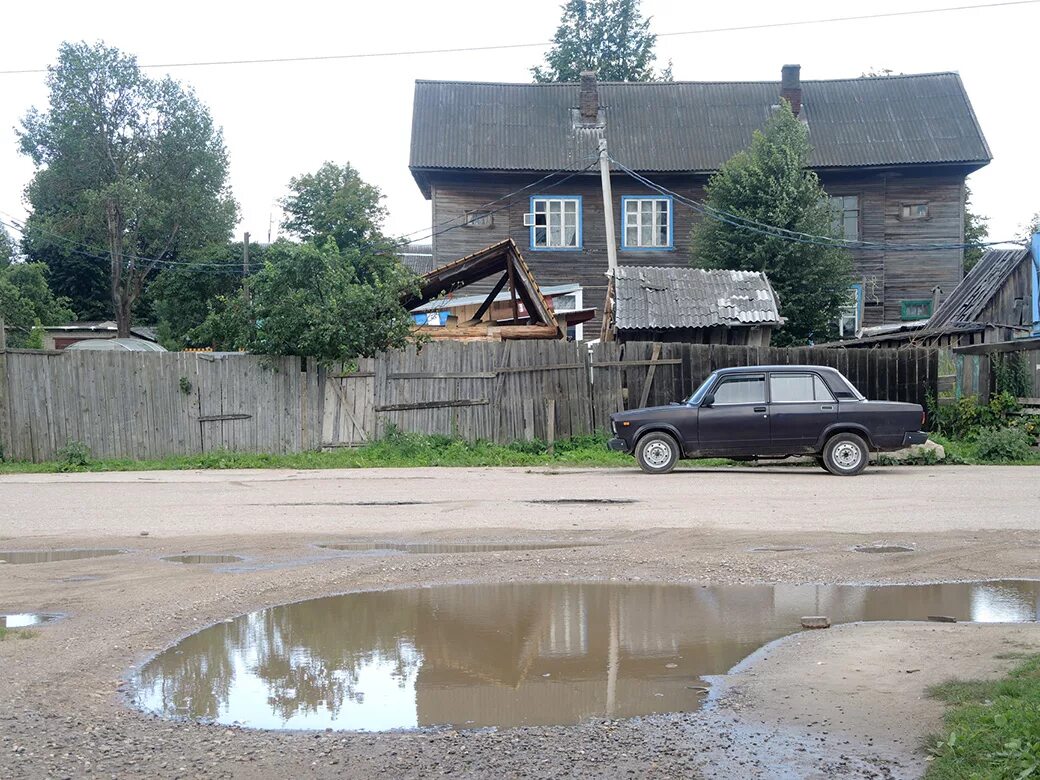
x: 424, y: 548
x: 203, y: 558
x: 25, y: 619
x: 507, y: 655
x: 50, y: 556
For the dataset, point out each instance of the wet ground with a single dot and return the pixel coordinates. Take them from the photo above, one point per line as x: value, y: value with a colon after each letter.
x: 846, y: 702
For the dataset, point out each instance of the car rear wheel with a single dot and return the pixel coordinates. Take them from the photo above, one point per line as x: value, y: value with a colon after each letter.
x: 845, y: 454
x: 657, y: 453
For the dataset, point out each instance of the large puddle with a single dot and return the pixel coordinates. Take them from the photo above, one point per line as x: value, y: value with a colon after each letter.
x: 431, y: 548
x: 25, y: 619
x: 51, y: 556
x: 195, y: 559
x: 509, y: 655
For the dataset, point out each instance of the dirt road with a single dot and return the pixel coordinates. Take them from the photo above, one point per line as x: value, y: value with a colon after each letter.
x: 62, y: 714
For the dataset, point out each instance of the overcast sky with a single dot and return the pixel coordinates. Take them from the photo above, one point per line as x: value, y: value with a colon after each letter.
x: 284, y: 119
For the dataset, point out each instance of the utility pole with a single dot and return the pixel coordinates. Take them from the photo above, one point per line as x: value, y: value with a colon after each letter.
x: 608, y: 222
x: 245, y: 267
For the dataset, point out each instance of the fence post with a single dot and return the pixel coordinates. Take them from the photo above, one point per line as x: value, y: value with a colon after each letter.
x: 550, y: 425
x: 6, y: 442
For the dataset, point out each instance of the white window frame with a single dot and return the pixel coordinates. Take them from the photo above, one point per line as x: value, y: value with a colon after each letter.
x: 839, y: 209
x: 853, y: 308
x: 542, y: 206
x: 630, y: 218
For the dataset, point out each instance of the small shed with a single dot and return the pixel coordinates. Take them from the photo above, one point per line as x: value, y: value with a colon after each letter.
x: 995, y: 303
x: 694, y: 306
x: 62, y: 336
x: 514, y: 307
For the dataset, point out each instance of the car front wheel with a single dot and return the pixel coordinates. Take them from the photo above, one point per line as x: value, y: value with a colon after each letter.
x: 845, y: 454
x: 657, y: 453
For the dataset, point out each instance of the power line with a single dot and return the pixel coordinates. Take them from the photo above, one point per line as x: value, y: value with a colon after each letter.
x: 795, y: 236
x: 542, y: 44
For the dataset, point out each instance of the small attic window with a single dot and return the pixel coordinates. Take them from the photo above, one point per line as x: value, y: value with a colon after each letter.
x: 914, y: 211
x: 479, y: 219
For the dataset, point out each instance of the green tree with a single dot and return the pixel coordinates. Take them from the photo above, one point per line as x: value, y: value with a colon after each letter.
x: 130, y: 172
x: 610, y: 37
x: 181, y: 296
x: 975, y: 232
x: 311, y: 300
x: 27, y: 300
x: 8, y: 249
x: 769, y: 183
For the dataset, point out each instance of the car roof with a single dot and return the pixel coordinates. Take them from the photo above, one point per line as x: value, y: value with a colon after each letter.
x: 746, y: 369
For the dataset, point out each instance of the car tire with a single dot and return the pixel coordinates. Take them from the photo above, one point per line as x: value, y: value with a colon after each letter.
x: 845, y: 454
x: 820, y: 462
x: 657, y: 453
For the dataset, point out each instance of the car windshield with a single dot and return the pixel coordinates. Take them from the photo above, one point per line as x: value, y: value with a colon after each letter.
x: 698, y: 394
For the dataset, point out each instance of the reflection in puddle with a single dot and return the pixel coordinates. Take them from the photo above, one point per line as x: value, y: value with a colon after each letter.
x: 883, y: 548
x: 24, y: 619
x: 507, y: 655
x: 203, y: 558
x: 50, y: 556
x: 429, y: 548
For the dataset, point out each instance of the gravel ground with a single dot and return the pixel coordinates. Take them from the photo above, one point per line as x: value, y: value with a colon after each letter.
x: 62, y: 713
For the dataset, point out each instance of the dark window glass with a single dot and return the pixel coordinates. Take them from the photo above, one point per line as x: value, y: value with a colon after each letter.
x: 741, y: 390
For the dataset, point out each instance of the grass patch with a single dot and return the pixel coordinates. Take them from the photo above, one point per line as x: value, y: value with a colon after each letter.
x: 22, y: 633
x: 396, y: 449
x: 967, y: 452
x: 993, y: 732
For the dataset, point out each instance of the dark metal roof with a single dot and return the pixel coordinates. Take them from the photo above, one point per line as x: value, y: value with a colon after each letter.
x: 648, y: 298
x: 691, y: 126
x: 971, y: 296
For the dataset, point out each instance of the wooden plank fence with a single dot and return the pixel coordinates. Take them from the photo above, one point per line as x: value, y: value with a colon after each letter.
x: 150, y: 405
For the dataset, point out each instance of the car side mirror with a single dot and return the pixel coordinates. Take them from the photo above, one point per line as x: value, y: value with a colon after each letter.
x: 709, y: 400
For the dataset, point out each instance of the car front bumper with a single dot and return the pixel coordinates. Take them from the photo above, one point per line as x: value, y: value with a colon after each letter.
x: 914, y: 437
x: 618, y: 445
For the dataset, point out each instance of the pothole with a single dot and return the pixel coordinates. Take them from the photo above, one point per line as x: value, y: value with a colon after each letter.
x: 26, y: 619
x: 581, y: 501
x: 433, y: 548
x: 514, y: 654
x: 16, y: 557
x: 202, y: 558
x: 883, y: 548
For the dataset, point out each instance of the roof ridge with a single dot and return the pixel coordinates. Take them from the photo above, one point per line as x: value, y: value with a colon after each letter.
x: 864, y: 79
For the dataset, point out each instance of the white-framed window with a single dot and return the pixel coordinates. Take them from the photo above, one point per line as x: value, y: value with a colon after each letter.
x: 845, y: 216
x: 850, y: 317
x: 647, y: 222
x: 556, y: 222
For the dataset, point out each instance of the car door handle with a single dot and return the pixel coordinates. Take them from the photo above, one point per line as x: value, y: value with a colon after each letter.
x: 760, y: 409
x: 827, y: 408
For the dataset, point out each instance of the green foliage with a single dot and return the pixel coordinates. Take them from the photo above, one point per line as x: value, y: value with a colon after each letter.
x: 334, y: 203
x: 1003, y: 445
x: 26, y: 300
x: 994, y: 730
x: 181, y: 296
x: 770, y: 184
x: 1011, y: 374
x: 966, y: 417
x: 24, y: 633
x: 130, y: 170
x: 975, y: 232
x: 35, y: 338
x: 74, y: 456
x: 315, y: 301
x: 610, y: 37
x: 185, y: 385
x: 8, y: 249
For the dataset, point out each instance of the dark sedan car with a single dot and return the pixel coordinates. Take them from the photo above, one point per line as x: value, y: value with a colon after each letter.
x: 769, y: 412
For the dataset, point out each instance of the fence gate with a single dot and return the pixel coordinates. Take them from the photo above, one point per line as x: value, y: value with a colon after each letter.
x: 349, y: 418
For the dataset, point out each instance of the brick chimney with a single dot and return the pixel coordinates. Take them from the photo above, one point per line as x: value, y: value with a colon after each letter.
x: 791, y: 87
x: 588, y: 100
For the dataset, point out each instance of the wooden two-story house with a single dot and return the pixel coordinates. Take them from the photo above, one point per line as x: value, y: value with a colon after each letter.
x: 519, y: 161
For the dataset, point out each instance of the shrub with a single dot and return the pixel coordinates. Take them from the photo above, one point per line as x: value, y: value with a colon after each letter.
x: 74, y: 456
x: 967, y: 417
x: 1003, y: 445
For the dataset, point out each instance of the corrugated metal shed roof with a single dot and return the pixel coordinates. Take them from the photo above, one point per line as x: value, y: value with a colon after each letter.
x: 692, y: 126
x: 418, y: 258
x: 970, y: 297
x: 649, y: 298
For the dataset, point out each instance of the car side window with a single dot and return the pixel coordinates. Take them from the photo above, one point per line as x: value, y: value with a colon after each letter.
x: 797, y: 388
x: 741, y: 390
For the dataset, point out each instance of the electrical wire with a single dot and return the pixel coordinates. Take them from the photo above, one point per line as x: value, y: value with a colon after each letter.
x: 795, y: 236
x: 542, y: 44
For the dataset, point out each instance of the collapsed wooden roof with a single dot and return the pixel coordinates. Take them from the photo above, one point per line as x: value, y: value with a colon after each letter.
x: 504, y: 261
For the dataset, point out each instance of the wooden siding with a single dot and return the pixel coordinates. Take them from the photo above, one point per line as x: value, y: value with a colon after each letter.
x: 888, y: 277
x: 1011, y: 308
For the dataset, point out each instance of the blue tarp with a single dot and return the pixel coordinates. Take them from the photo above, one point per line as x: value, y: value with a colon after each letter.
x: 1036, y: 283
